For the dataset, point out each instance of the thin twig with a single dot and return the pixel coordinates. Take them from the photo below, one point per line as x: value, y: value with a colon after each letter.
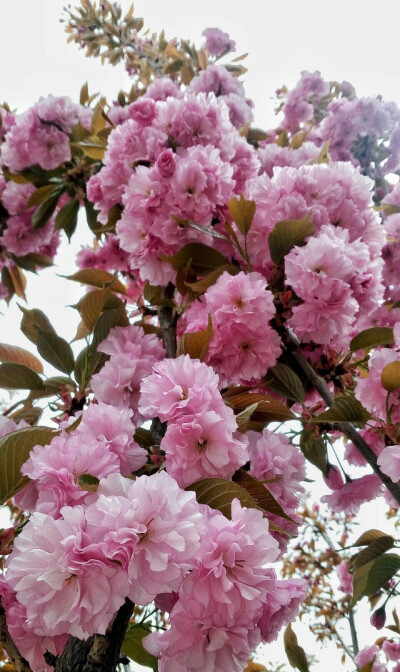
x: 353, y: 632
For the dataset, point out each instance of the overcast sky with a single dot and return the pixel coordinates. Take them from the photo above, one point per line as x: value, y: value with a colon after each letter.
x: 356, y: 40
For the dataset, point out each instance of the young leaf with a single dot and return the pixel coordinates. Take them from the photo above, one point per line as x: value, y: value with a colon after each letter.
x: 133, y: 648
x: 202, y: 285
x: 14, y: 451
x: 12, y: 353
x: 87, y: 363
x: 369, y: 338
x: 92, y: 305
x: 283, y: 380
x: 196, y: 343
x: 96, y: 277
x: 201, y: 258
x: 383, y: 569
x: 242, y: 213
x: 268, y: 409
x: 259, y: 491
x: 286, y: 234
x: 32, y: 321
x: 56, y: 351
x: 315, y: 451
x: 368, y: 537
x: 219, y: 493
x: 295, y: 653
x: 88, y: 482
x: 19, y: 377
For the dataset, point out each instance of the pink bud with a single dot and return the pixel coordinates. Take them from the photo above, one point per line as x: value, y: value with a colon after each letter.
x: 378, y: 618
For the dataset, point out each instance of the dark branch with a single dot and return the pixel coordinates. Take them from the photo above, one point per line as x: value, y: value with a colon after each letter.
x: 100, y: 653
x: 168, y: 323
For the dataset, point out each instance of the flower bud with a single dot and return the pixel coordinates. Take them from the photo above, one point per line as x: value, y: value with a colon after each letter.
x: 378, y: 618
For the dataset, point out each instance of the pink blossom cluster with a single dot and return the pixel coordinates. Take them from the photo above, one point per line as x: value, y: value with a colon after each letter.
x: 40, y: 136
x: 55, y: 469
x: 331, y: 194
x: 336, y: 280
x: 217, y: 42
x: 243, y: 344
x: 303, y: 101
x: 173, y: 161
x: 201, y: 440
x: 230, y: 603
x: 132, y: 354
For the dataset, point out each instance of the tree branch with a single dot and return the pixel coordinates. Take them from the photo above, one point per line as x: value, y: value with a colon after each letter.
x: 100, y: 653
x: 19, y: 662
x: 168, y: 323
x: 353, y: 632
x: 346, y: 427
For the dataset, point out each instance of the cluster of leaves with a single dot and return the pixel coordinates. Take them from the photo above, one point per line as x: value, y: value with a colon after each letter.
x: 114, y: 37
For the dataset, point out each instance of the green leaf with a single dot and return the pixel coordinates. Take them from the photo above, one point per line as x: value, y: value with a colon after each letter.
x: 369, y: 338
x: 185, y: 223
x: 374, y: 575
x: 383, y: 569
x: 286, y: 234
x: 40, y: 195
x: 67, y: 217
x: 242, y: 213
x: 196, y: 343
x: 93, y: 146
x: 88, y: 482
x: 283, y: 380
x: 344, y: 409
x: 243, y: 418
x: 114, y: 317
x: 30, y: 414
x: 13, y: 353
x: 315, y: 451
x: 55, y: 383
x: 87, y: 363
x: 295, y: 653
x: 19, y: 377
x: 56, y: 351
x: 32, y: 321
x: 259, y: 491
x: 374, y: 549
x: 91, y: 215
x: 390, y: 376
x: 133, y: 648
x: 14, y: 451
x: 202, y: 285
x: 144, y: 437
x: 96, y: 277
x: 92, y: 305
x: 46, y: 209
x: 201, y: 258
x: 268, y: 409
x: 219, y: 493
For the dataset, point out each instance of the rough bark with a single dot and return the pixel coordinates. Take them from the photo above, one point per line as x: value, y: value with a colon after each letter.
x: 100, y: 653
x: 19, y: 662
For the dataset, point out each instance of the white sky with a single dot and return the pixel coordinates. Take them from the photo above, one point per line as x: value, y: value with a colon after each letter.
x: 356, y: 40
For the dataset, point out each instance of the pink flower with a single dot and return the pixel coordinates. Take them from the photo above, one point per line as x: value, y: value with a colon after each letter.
x: 31, y: 645
x: 217, y: 42
x: 281, y: 606
x: 202, y: 446
x: 178, y: 387
x: 369, y: 391
x: 391, y: 649
x: 191, y: 645
x: 62, y: 578
x: 114, y: 429
x: 354, y: 493
x: 152, y: 528
x: 389, y: 462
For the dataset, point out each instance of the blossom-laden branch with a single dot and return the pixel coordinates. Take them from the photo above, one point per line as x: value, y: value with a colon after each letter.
x: 346, y: 427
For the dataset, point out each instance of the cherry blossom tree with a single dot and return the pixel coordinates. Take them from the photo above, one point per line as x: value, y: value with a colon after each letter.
x: 240, y: 319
